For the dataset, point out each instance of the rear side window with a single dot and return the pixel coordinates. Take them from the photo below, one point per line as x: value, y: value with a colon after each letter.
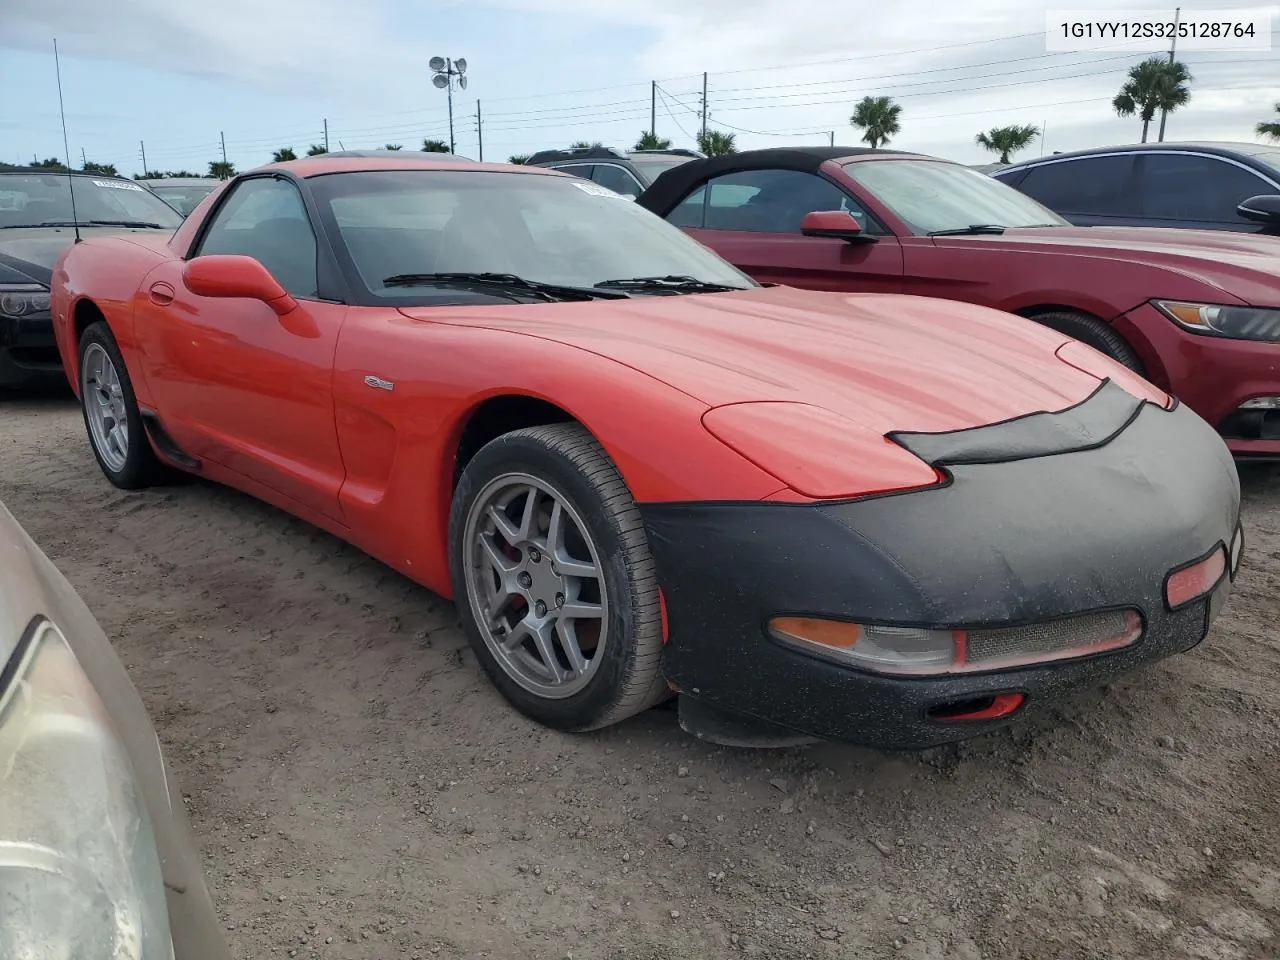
x: 582, y: 170
x: 617, y: 179
x: 1178, y: 186
x: 1089, y: 185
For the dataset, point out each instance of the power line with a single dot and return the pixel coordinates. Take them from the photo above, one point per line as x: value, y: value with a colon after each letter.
x: 662, y: 94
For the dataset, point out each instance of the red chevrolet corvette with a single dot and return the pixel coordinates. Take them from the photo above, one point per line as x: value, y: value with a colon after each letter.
x: 884, y: 519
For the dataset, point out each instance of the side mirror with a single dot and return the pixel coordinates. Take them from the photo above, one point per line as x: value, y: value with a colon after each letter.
x: 836, y: 224
x: 231, y: 275
x: 1263, y: 209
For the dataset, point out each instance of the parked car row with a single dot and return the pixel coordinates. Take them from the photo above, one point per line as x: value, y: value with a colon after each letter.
x: 844, y: 512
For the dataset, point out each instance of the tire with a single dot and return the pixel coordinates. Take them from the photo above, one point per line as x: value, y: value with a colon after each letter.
x: 622, y: 674
x: 1094, y: 332
x: 125, y: 457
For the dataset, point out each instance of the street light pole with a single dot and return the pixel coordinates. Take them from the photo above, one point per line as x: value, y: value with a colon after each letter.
x: 447, y: 72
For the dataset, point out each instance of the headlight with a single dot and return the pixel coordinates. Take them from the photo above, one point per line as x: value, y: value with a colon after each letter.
x: 79, y: 871
x: 23, y: 299
x: 1238, y: 323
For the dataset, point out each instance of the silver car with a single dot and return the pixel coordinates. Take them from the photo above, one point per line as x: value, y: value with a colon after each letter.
x: 97, y: 862
x: 182, y: 193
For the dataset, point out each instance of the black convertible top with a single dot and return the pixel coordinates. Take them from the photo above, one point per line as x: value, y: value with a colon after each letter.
x: 674, y: 185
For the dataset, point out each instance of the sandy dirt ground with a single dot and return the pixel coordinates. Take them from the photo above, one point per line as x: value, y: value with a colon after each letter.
x: 360, y: 791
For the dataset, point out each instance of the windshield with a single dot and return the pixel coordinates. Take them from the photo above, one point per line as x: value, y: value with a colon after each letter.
x: 549, y: 229
x: 652, y: 167
x: 35, y: 199
x: 1268, y: 155
x: 930, y: 195
x: 182, y: 197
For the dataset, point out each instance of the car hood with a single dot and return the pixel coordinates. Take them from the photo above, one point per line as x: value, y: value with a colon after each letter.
x: 29, y: 253
x: 887, y: 362
x: 1245, y: 265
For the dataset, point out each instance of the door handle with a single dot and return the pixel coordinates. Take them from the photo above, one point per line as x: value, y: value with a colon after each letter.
x: 162, y: 293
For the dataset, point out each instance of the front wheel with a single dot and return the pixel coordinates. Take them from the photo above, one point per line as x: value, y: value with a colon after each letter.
x: 1095, y: 333
x: 554, y: 580
x: 111, y: 414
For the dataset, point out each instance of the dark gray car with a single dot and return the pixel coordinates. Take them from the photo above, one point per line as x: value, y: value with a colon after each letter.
x: 97, y: 860
x: 38, y: 221
x: 1196, y: 186
x: 626, y: 173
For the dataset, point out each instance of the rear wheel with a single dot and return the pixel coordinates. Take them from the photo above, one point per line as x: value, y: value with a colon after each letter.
x: 111, y: 416
x: 554, y: 580
x: 1094, y: 332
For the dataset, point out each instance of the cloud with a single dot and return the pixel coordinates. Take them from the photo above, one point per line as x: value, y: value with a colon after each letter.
x: 780, y: 71
x: 286, y: 45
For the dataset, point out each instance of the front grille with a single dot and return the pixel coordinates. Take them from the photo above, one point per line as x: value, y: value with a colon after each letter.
x: 1056, y: 639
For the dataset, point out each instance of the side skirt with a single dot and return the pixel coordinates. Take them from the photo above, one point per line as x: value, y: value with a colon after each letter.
x: 164, y: 443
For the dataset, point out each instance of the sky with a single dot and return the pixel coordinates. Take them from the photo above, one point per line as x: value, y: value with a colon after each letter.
x: 179, y: 78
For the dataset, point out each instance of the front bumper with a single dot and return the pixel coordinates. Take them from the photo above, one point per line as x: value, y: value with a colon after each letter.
x: 1045, y: 517
x: 1211, y: 375
x: 29, y: 353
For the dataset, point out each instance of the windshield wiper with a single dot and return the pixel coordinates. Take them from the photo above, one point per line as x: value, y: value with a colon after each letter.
x: 104, y: 223
x: 549, y: 292
x: 973, y: 228
x: 669, y: 284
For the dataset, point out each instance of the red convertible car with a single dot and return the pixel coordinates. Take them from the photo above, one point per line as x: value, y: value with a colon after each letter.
x: 1195, y: 311
x: 884, y: 519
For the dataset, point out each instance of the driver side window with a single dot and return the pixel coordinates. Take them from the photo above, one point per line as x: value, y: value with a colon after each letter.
x: 765, y: 201
x: 265, y: 218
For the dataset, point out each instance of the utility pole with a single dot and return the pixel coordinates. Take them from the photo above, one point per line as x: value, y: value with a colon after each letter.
x: 1173, y: 46
x: 653, y: 108
x: 831, y: 134
x: 84, y: 161
x: 326, y: 134
x: 704, y: 107
x: 143, y: 147
x: 1043, y: 130
x: 479, y: 132
x: 223, y: 136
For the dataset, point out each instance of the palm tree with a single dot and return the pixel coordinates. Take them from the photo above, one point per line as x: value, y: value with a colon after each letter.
x: 583, y: 145
x: 53, y: 163
x: 1007, y: 140
x: 1152, y: 85
x: 1270, y: 130
x: 651, y: 141
x: 108, y: 168
x: 716, y: 143
x: 222, y: 169
x: 316, y: 150
x: 185, y: 173
x: 519, y: 158
x: 435, y: 146
x: 283, y: 154
x: 394, y: 146
x: 878, y: 118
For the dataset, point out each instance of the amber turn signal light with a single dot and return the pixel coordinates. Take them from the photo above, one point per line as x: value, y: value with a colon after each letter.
x: 1195, y: 580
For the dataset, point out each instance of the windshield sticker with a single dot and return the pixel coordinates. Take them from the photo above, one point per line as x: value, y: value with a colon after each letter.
x: 117, y: 184
x: 597, y: 191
